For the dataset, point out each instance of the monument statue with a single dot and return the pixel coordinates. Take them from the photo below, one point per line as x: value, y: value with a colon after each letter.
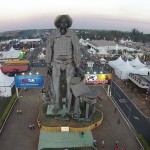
x: 62, y: 55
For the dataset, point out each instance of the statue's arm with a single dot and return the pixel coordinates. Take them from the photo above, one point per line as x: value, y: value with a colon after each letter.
x: 49, y: 49
x: 49, y: 53
x: 76, y: 49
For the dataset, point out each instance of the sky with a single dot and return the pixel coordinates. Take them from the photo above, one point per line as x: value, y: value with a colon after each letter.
x: 123, y: 15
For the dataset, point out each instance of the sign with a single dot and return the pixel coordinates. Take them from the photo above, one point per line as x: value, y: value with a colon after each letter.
x: 64, y: 129
x: 29, y: 81
x: 93, y: 79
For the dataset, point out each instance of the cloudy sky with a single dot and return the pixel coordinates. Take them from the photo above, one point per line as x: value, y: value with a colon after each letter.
x: 121, y: 15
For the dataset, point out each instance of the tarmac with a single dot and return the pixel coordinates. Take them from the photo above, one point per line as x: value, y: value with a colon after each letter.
x: 16, y: 134
x: 139, y: 100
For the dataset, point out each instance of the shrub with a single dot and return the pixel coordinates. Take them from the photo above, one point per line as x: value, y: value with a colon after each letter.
x: 143, y: 142
x: 8, y: 107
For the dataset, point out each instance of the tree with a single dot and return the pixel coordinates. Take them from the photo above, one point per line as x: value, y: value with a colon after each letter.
x: 136, y: 35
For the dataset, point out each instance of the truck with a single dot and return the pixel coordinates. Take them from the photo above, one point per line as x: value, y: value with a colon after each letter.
x: 14, y: 68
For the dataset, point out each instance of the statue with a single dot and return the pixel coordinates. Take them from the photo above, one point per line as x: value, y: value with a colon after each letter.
x: 62, y: 55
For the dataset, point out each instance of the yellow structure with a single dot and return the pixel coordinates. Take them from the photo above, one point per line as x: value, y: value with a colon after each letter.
x: 16, y: 62
x: 71, y: 129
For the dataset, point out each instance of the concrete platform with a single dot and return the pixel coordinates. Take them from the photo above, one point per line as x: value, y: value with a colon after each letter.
x: 65, y: 139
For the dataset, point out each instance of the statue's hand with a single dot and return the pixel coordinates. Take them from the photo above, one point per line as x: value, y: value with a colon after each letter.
x: 80, y: 72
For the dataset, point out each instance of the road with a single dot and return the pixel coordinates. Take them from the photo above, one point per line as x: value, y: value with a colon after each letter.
x: 140, y: 123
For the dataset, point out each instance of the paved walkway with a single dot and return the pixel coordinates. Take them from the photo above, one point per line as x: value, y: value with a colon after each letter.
x: 17, y: 135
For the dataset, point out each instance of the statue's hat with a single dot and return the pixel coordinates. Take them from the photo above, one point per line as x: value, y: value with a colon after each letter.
x: 58, y: 18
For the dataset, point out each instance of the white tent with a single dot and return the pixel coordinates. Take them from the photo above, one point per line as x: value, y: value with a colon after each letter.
x: 83, y: 42
x: 41, y: 56
x: 123, y: 71
x: 144, y: 71
x: 103, y: 52
x: 30, y: 40
x: 129, y: 56
x: 12, y: 53
x: 117, y: 63
x: 6, y: 84
x: 136, y: 63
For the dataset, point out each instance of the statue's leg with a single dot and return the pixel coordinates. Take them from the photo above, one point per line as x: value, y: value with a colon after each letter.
x: 56, y: 83
x: 69, y: 74
x: 77, y: 108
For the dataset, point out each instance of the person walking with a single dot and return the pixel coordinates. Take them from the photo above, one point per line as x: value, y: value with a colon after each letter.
x: 115, y: 110
x: 82, y: 133
x: 94, y: 142
x: 30, y: 127
x: 17, y: 111
x: 20, y: 111
x: 116, y: 147
x: 103, y: 144
x: 117, y: 142
x: 33, y: 126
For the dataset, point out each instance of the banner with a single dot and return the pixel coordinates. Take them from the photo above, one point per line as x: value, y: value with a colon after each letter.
x: 93, y: 79
x: 29, y: 81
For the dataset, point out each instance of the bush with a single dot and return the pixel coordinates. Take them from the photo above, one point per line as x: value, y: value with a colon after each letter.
x: 4, y: 115
x: 143, y: 142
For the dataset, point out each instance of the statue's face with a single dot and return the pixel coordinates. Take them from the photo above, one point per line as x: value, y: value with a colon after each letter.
x: 63, y: 23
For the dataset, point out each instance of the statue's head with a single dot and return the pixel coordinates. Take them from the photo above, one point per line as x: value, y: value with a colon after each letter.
x: 63, y: 21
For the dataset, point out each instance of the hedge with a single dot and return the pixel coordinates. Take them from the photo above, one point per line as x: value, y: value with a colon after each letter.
x: 8, y: 107
x: 143, y: 142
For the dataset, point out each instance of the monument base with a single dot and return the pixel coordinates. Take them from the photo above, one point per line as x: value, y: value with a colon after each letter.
x: 49, y: 121
x: 60, y: 112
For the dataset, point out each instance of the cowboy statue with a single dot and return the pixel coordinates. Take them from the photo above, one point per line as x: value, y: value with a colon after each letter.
x: 62, y: 55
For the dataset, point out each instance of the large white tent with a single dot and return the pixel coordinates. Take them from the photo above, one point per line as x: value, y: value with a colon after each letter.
x: 6, y: 84
x: 117, y: 63
x: 123, y: 71
x: 144, y: 71
x: 136, y: 63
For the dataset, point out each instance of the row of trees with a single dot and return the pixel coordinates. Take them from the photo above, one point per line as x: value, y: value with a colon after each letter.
x: 135, y: 35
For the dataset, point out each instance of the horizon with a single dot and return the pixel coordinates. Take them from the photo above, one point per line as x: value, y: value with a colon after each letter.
x: 117, y: 15
x: 3, y: 32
